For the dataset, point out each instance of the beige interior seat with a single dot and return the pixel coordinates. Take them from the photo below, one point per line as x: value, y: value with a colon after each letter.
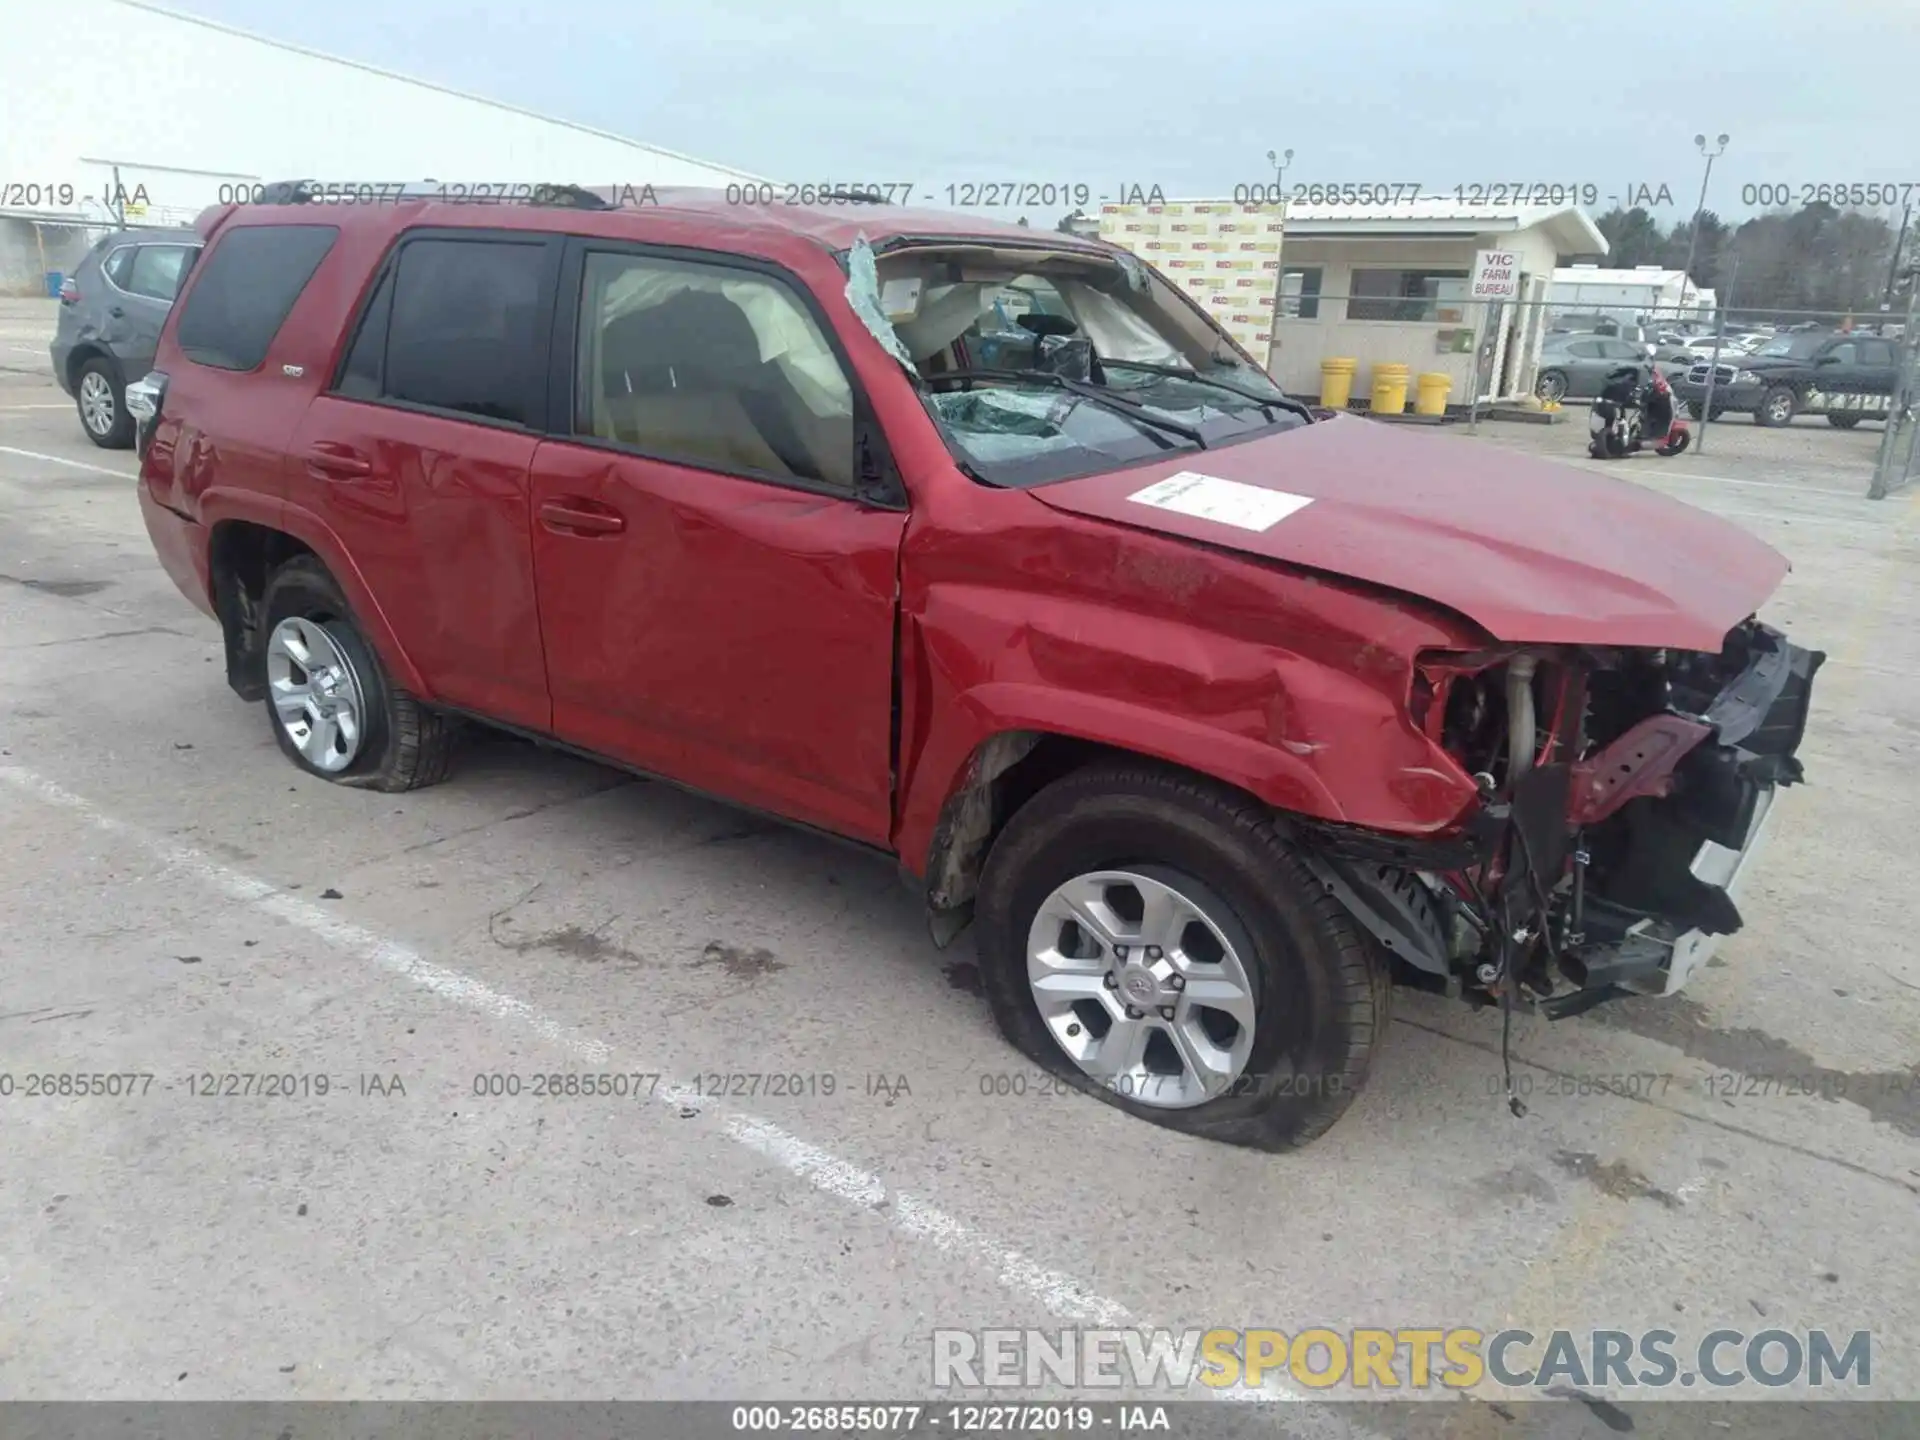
x: 684, y: 378
x: 704, y: 428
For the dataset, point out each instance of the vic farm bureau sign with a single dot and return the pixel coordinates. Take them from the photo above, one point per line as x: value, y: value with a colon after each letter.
x: 1496, y: 275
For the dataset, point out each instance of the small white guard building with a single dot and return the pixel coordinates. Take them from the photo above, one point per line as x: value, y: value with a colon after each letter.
x: 1387, y: 284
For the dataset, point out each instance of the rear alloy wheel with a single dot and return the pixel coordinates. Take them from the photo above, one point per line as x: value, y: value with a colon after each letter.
x: 101, y: 401
x: 1777, y: 407
x: 1153, y: 940
x: 317, y: 698
x: 334, y: 710
x: 1552, y: 385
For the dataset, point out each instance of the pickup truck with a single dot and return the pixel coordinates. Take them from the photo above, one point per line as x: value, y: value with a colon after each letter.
x: 1847, y: 378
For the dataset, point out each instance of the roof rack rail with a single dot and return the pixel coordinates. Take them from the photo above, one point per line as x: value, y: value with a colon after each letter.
x: 313, y: 192
x: 289, y: 192
x: 572, y: 197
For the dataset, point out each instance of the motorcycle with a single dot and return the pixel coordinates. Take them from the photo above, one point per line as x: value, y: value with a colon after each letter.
x: 1633, y: 411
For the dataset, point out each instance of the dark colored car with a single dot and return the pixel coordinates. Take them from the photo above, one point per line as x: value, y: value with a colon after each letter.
x: 110, y: 315
x: 1574, y: 366
x: 1219, y: 715
x: 1847, y: 378
x: 111, y: 312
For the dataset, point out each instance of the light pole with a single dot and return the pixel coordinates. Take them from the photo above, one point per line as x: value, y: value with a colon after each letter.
x: 1693, y: 237
x: 1900, y: 408
x: 1722, y: 303
x: 1280, y: 162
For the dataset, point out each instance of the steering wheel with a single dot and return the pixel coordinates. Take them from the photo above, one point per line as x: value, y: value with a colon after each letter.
x: 1041, y: 326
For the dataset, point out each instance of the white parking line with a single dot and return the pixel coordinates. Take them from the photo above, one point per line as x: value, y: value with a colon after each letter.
x: 303, y: 914
x: 1791, y: 519
x: 71, y: 464
x: 1059, y: 1292
x: 1062, y: 1294
x: 36, y: 407
x: 1810, y: 488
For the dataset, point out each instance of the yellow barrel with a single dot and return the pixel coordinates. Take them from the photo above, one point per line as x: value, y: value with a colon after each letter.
x: 1389, y: 389
x: 1336, y: 382
x: 1432, y: 399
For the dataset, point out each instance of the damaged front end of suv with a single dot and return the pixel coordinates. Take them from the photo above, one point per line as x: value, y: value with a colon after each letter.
x: 1623, y: 795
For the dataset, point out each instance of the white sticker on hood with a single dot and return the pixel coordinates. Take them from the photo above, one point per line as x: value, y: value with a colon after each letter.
x: 1208, y: 497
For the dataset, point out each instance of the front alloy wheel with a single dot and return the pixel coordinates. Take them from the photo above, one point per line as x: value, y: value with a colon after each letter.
x: 316, y: 695
x: 1154, y: 939
x: 1137, y: 977
x: 1778, y: 406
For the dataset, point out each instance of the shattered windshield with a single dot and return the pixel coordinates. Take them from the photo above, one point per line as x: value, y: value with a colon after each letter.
x: 1045, y: 365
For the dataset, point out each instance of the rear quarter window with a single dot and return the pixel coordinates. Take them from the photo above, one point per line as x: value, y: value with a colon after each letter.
x: 247, y: 285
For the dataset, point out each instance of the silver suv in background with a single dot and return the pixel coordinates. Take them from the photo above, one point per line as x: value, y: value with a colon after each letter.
x: 111, y: 311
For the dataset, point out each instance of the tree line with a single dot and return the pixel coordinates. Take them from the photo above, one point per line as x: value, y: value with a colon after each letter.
x: 1818, y: 257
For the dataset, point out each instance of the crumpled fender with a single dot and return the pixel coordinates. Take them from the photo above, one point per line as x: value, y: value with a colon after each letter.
x: 1292, y: 687
x: 1417, y: 796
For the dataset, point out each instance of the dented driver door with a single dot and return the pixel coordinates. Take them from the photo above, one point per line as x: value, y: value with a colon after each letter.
x: 716, y: 604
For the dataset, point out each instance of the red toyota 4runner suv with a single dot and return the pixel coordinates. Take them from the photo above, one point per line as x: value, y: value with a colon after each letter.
x: 1220, y: 715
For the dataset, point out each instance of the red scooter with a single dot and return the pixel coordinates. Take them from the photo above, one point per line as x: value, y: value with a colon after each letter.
x: 1631, y: 413
x: 1662, y: 417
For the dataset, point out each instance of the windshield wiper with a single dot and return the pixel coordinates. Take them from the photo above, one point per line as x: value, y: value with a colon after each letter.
x: 1265, y: 402
x: 1132, y: 409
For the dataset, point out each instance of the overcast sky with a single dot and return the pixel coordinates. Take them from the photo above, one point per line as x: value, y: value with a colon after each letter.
x: 1190, y: 96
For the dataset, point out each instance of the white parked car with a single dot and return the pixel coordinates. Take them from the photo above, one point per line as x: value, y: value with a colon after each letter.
x: 1740, y: 344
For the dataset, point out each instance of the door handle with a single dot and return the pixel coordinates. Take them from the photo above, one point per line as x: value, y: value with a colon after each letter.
x: 576, y: 515
x: 337, y: 463
x: 116, y: 312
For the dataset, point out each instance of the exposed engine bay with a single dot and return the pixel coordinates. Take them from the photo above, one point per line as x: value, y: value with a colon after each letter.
x: 1623, y: 794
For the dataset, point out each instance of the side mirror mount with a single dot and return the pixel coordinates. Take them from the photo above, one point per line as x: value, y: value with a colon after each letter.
x: 875, y: 481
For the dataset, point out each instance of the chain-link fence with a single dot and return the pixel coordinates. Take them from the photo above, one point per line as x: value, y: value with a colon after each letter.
x: 1898, y: 462
x: 1362, y: 351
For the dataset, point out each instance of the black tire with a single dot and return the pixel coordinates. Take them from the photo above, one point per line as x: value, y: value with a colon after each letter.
x: 405, y: 745
x: 1697, y: 410
x: 1322, y: 990
x: 119, y: 433
x: 1843, y: 422
x: 1777, y: 407
x: 1552, y: 385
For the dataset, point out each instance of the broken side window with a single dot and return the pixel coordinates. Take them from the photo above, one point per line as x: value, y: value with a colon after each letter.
x: 863, y: 294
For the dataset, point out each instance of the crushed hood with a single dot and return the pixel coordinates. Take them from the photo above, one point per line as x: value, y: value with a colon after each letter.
x: 1531, y: 550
